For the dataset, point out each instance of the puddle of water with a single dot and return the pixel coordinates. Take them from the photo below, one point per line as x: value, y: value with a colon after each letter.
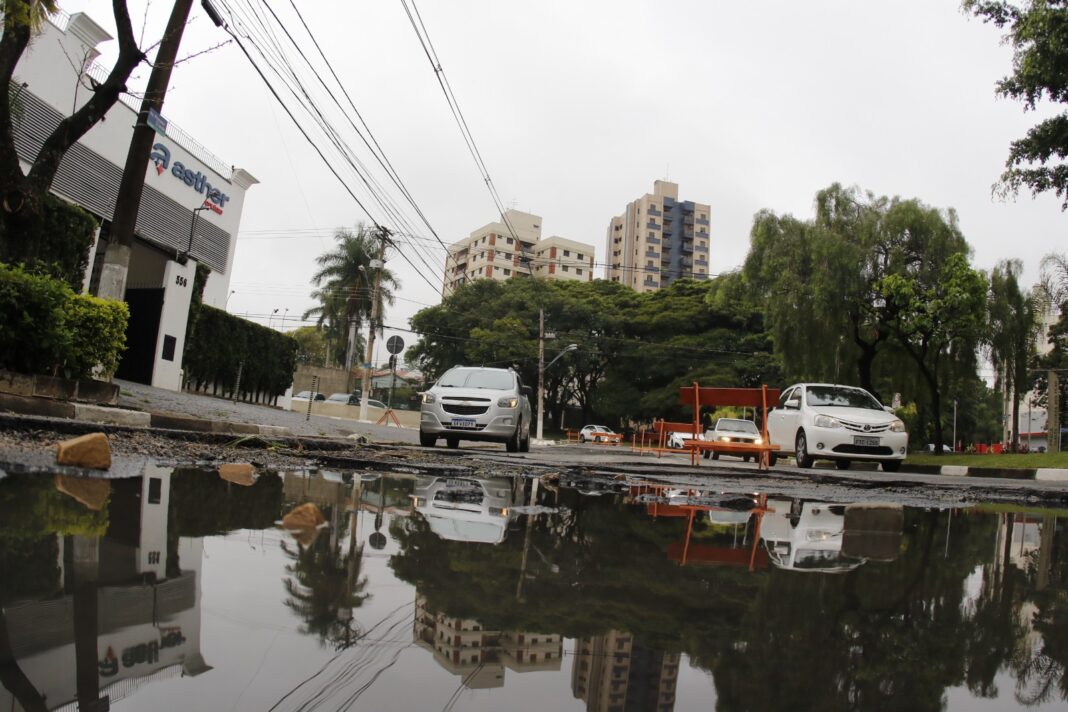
x: 179, y: 589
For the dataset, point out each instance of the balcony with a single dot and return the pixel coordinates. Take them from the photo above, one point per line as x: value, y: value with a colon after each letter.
x: 652, y: 240
x: 654, y: 212
x: 652, y: 253
x: 652, y: 225
x: 650, y: 282
x: 702, y: 221
x: 687, y: 247
x: 687, y: 220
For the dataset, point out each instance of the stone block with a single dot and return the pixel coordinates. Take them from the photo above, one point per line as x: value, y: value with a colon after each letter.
x: 240, y: 473
x: 101, y: 392
x: 45, y: 407
x: 18, y: 384
x: 115, y: 416
x: 55, y: 387
x: 92, y: 451
x: 274, y: 431
x: 91, y: 491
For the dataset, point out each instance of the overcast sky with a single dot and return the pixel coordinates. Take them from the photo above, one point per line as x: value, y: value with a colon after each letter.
x: 577, y: 107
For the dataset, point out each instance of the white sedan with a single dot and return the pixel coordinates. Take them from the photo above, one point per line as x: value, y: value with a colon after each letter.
x: 820, y: 421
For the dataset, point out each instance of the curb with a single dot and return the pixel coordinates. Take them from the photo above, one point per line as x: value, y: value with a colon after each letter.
x: 105, y: 415
x: 1044, y: 474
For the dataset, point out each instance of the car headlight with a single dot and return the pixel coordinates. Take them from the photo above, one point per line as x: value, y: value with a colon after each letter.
x: 429, y: 398
x: 897, y: 426
x: 509, y: 402
x: 826, y: 421
x: 724, y: 438
x: 758, y: 441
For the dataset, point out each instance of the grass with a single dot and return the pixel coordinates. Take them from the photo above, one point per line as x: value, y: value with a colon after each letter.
x: 1022, y: 461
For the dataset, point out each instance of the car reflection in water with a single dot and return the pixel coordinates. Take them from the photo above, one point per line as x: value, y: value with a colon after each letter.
x: 829, y: 538
x: 471, y: 509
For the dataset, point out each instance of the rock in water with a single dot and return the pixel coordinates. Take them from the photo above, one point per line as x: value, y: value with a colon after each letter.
x: 306, y: 516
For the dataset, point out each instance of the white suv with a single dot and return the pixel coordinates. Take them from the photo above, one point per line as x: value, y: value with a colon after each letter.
x: 471, y: 403
x: 820, y: 421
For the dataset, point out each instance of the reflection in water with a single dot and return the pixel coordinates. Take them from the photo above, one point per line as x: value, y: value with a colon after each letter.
x: 420, y: 588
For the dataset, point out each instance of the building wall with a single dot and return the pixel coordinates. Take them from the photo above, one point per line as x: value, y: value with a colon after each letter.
x: 181, y: 177
x: 658, y: 239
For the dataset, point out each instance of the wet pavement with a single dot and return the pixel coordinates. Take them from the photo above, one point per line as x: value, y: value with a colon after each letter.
x: 180, y: 588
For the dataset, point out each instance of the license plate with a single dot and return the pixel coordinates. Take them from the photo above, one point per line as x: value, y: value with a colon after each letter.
x: 451, y: 482
x: 463, y: 422
x: 866, y: 442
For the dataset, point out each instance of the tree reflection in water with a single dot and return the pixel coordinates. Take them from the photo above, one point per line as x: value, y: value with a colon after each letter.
x: 323, y: 588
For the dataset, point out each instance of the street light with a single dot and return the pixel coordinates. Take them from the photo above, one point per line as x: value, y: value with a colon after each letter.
x: 271, y: 316
x: 541, y: 378
x: 184, y: 257
x: 227, y: 302
x: 284, y: 313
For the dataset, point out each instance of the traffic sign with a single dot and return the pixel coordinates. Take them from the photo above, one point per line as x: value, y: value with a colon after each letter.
x: 394, y: 344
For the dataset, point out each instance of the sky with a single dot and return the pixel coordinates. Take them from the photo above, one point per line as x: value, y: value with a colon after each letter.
x: 577, y: 107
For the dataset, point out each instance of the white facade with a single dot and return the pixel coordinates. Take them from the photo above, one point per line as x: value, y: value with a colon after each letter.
x: 513, y: 247
x: 180, y: 177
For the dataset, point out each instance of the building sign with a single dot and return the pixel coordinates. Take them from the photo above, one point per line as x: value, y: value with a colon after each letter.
x: 214, y: 199
x: 170, y: 637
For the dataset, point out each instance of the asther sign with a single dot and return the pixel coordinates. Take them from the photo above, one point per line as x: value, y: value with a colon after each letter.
x: 215, y: 199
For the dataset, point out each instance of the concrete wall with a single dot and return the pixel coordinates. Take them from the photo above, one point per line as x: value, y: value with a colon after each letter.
x: 331, y: 380
x: 407, y: 418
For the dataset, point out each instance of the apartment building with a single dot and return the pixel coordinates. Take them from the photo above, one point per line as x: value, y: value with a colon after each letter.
x: 658, y: 239
x: 616, y: 672
x: 513, y: 247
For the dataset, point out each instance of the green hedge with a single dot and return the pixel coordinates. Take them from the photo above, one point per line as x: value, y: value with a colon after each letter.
x: 221, y: 343
x: 58, y: 245
x: 46, y: 328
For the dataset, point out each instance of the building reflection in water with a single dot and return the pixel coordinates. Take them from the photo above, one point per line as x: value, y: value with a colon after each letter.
x: 615, y: 672
x: 126, y: 609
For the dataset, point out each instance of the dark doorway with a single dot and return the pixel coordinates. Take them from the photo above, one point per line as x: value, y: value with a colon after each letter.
x: 141, y: 332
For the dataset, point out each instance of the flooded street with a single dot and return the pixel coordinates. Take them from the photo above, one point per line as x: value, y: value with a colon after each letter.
x: 182, y: 589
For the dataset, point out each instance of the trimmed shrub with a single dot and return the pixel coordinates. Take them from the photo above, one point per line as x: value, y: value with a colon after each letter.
x: 98, y: 335
x: 32, y: 336
x: 221, y: 343
x: 47, y: 328
x: 58, y: 245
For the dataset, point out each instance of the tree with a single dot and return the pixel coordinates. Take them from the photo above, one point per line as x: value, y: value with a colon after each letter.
x: 1038, y: 33
x: 23, y: 194
x: 1012, y: 316
x: 344, y: 288
x: 311, y: 345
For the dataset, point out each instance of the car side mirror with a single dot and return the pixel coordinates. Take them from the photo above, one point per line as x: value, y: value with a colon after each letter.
x: 792, y: 404
x: 527, y: 391
x: 889, y: 409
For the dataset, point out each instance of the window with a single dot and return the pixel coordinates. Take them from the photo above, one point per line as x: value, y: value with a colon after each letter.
x: 567, y: 253
x: 565, y: 268
x: 509, y: 241
x: 580, y: 255
x: 652, y: 234
x: 155, y: 490
x: 578, y: 271
x: 496, y: 269
x: 507, y: 272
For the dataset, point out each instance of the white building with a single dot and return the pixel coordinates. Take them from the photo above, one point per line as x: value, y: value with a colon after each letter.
x: 180, y: 177
x: 513, y: 247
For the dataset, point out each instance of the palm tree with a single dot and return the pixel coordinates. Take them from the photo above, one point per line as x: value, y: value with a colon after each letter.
x: 344, y: 288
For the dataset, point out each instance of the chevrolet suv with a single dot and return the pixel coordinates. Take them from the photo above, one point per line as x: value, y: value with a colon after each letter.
x: 471, y: 403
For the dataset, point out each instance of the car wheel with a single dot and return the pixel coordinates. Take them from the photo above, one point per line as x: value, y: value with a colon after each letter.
x: 842, y: 464
x: 512, y: 445
x: 891, y: 465
x: 804, y: 460
x: 452, y: 441
x: 427, y: 439
x: 772, y: 459
x: 745, y: 458
x: 715, y: 456
x: 707, y: 455
x: 582, y: 439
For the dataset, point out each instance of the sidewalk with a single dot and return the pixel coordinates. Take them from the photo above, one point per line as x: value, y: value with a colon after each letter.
x: 144, y: 406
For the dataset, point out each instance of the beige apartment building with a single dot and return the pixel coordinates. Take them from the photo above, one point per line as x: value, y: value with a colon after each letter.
x: 658, y: 239
x: 503, y: 250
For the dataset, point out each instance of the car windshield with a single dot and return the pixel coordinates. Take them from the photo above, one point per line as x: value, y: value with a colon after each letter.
x: 841, y: 396
x: 339, y: 397
x: 477, y: 378
x: 599, y: 428
x: 737, y: 425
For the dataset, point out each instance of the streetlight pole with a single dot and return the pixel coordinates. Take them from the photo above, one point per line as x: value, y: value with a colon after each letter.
x: 271, y: 316
x: 383, y: 237
x: 226, y: 304
x: 284, y: 314
x: 542, y: 366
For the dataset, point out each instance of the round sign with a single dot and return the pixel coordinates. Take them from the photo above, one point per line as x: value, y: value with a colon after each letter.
x: 394, y: 344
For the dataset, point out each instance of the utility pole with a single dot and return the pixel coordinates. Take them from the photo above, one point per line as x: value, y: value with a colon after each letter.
x: 120, y: 241
x: 383, y: 238
x: 541, y: 370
